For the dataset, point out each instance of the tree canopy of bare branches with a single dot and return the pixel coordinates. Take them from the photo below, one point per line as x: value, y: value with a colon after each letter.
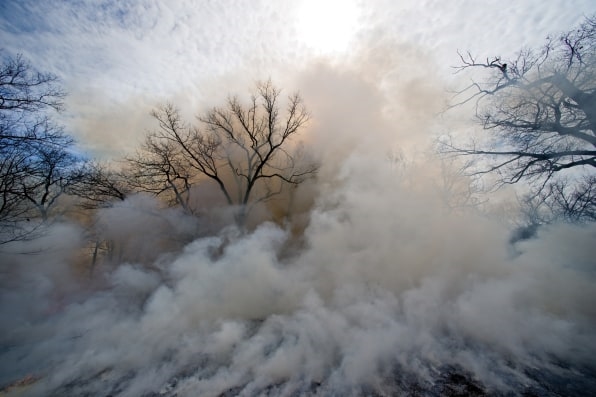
x: 540, y: 111
x: 162, y: 169
x: 98, y: 185
x: 245, y: 149
x: 36, y: 163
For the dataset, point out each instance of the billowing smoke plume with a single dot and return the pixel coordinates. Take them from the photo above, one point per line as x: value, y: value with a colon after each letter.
x: 392, y: 291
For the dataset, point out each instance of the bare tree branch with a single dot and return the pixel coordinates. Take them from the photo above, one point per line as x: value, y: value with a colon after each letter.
x: 244, y: 149
x: 36, y: 161
x: 540, y: 111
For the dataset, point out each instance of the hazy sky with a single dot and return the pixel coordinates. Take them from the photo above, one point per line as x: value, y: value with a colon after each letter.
x: 118, y: 59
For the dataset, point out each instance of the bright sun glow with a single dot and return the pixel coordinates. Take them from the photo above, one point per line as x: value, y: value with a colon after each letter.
x: 327, y: 26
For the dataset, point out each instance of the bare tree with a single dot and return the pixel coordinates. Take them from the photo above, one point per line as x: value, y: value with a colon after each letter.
x: 49, y: 172
x: 99, y: 186
x: 23, y: 89
x: 162, y: 169
x: 36, y: 161
x: 540, y: 110
x: 245, y: 149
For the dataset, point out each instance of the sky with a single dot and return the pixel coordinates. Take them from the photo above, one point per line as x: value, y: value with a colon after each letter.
x: 118, y: 60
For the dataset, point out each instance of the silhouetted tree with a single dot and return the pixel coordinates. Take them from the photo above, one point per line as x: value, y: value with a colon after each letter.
x: 99, y: 186
x: 50, y: 170
x: 36, y: 162
x: 245, y: 149
x: 540, y: 111
x: 162, y: 169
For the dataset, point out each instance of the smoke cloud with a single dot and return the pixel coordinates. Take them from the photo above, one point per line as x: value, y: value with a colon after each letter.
x: 390, y: 292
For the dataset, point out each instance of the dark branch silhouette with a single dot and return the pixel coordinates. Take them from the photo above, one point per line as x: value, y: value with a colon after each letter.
x: 540, y: 112
x: 245, y: 149
x: 36, y: 163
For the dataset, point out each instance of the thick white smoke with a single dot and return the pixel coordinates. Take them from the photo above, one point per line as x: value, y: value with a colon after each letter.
x: 392, y: 292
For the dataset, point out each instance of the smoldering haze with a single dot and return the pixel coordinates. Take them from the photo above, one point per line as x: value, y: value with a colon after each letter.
x: 392, y: 289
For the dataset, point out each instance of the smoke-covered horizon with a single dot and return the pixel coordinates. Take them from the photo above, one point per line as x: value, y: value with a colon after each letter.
x: 399, y: 283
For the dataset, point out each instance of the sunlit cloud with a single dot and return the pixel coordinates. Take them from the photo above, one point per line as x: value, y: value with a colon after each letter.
x: 328, y: 27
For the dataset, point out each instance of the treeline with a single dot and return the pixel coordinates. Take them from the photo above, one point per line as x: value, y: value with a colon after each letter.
x: 536, y: 112
x: 248, y: 153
